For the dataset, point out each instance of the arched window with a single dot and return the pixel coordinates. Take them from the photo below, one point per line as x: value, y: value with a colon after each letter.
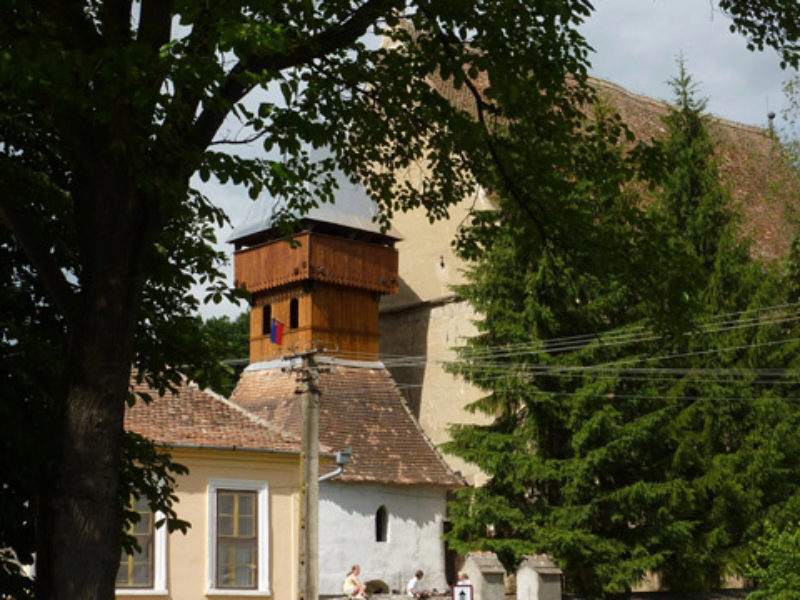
x: 294, y: 313
x: 381, y: 524
x: 266, y: 319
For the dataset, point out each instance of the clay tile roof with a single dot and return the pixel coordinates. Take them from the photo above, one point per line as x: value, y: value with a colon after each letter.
x: 196, y: 418
x: 360, y: 407
x: 761, y: 181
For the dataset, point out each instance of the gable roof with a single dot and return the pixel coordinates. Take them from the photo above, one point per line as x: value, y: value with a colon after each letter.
x: 360, y: 407
x: 751, y: 163
x: 196, y: 418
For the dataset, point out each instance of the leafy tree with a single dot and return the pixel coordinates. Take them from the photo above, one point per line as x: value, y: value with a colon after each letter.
x: 775, y: 567
x: 230, y: 344
x: 108, y: 107
x: 641, y: 448
x: 767, y: 23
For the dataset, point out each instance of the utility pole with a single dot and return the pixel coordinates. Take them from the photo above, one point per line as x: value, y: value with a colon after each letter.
x: 309, y: 472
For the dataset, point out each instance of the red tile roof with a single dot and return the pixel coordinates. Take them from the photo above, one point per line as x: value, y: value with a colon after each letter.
x: 198, y: 418
x: 751, y: 163
x: 361, y: 407
x: 763, y: 184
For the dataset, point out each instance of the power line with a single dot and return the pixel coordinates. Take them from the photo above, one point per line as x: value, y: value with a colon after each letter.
x: 419, y: 361
x: 611, y: 395
x: 656, y: 378
x: 583, y: 341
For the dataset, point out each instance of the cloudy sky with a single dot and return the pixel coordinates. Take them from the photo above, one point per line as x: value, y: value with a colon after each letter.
x: 636, y: 44
x: 638, y: 41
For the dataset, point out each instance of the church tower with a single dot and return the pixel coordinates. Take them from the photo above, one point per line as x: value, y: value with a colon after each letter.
x: 323, y: 285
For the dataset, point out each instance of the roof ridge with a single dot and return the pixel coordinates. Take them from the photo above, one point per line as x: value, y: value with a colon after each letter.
x: 249, y: 415
x: 666, y: 104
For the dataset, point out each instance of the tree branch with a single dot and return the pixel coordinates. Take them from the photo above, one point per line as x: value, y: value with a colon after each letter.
x: 237, y: 86
x: 155, y: 23
x: 35, y: 248
x: 183, y: 106
x: 72, y: 24
x: 480, y: 106
x: 115, y: 16
x: 243, y: 141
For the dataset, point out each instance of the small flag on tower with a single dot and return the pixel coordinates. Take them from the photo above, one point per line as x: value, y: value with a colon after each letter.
x: 276, y: 332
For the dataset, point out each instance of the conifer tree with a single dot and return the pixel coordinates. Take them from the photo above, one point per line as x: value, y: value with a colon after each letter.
x: 641, y: 449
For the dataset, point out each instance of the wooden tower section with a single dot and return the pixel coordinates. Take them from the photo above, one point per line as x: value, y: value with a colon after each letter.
x: 324, y: 285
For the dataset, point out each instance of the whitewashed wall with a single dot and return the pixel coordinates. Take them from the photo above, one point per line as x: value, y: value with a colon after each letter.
x: 347, y: 534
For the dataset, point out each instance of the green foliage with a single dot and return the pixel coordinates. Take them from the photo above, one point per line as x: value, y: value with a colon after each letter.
x: 640, y: 424
x: 150, y: 473
x: 230, y: 338
x: 768, y: 23
x: 229, y: 341
x: 108, y: 108
x: 775, y: 567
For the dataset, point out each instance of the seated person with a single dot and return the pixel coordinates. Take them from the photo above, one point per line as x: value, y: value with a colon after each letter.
x: 352, y: 587
x: 413, y: 588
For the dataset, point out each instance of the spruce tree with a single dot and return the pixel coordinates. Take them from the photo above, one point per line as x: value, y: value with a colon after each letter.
x: 644, y: 448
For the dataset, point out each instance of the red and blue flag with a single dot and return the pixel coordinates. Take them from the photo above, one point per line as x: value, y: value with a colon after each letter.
x: 276, y: 332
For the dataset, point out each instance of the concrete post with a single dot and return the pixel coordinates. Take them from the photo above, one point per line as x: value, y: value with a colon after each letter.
x: 309, y: 481
x: 538, y: 578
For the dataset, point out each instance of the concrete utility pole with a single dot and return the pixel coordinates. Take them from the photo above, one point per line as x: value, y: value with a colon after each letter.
x: 309, y: 484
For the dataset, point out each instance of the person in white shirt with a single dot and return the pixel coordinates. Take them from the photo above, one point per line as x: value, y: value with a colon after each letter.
x: 413, y: 588
x: 352, y: 587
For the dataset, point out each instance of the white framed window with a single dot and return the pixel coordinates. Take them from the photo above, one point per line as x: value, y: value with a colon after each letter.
x: 238, y: 537
x: 144, y: 573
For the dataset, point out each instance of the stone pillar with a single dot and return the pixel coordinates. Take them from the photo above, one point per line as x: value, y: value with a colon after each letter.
x: 486, y: 574
x: 538, y: 578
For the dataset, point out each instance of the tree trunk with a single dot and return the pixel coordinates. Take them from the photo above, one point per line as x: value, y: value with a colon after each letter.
x: 79, y: 555
x: 79, y: 537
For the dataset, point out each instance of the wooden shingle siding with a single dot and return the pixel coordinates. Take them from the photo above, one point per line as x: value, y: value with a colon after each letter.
x: 339, y: 317
x: 320, y: 257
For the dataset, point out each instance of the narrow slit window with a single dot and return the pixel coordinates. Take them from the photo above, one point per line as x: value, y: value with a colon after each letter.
x: 294, y: 313
x: 381, y: 524
x: 266, y: 319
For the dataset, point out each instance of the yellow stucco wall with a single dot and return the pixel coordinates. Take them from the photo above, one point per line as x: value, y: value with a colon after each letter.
x: 427, y: 264
x: 187, y: 554
x: 437, y: 398
x: 426, y: 319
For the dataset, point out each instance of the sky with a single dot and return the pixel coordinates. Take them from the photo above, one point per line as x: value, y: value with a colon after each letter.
x: 636, y: 43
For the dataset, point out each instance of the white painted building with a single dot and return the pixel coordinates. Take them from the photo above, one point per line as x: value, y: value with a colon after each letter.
x: 386, y: 511
x: 389, y: 531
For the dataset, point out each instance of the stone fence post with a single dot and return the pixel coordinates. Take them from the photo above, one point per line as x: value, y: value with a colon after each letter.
x: 538, y: 578
x: 486, y: 574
